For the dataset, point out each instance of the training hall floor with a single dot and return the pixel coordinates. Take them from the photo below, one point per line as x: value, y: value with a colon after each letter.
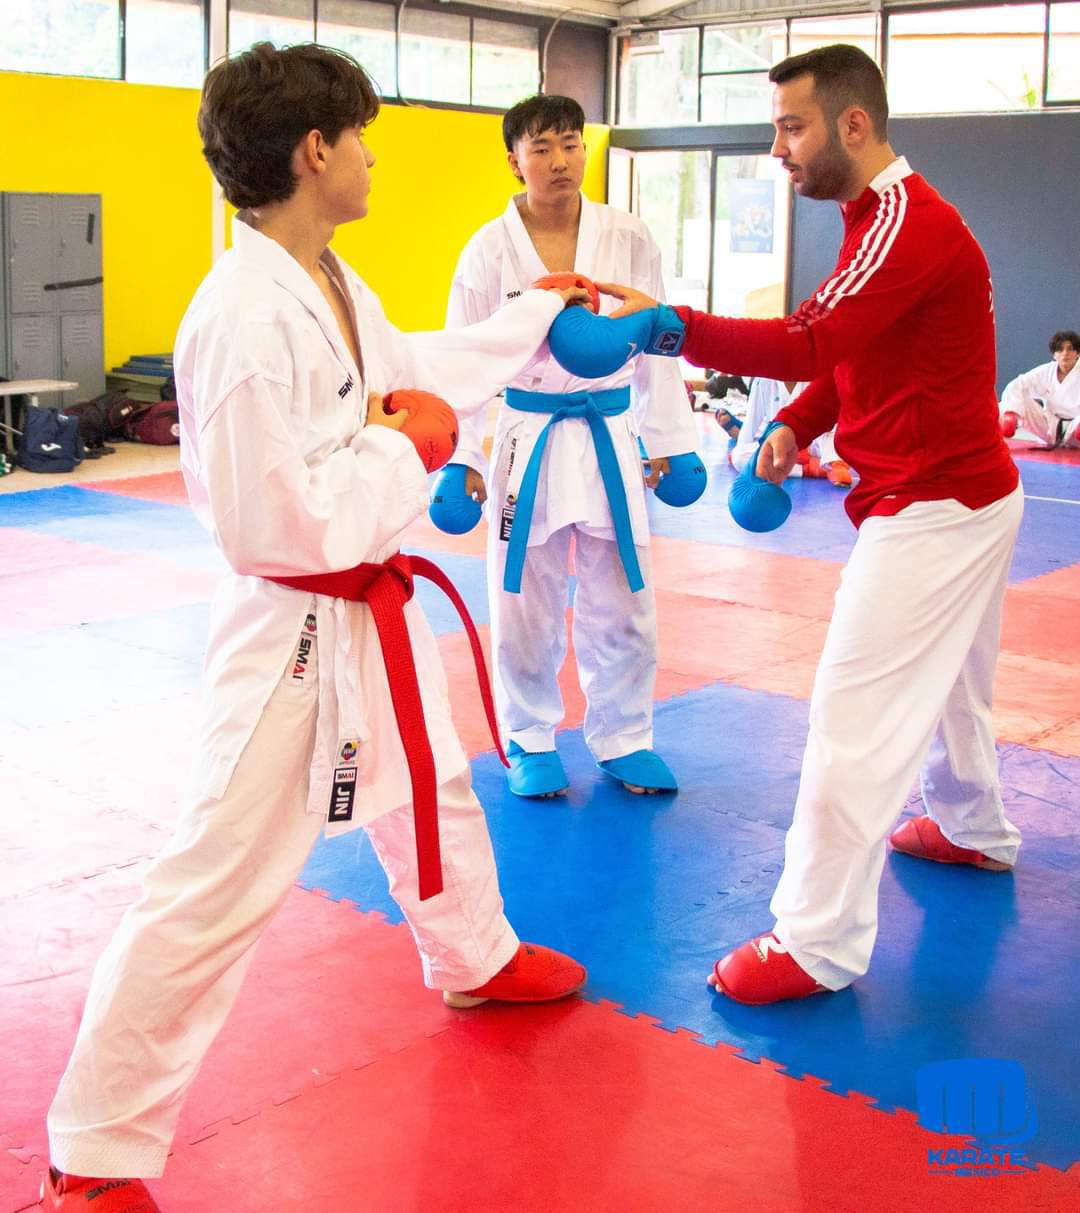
x: 341, y: 1083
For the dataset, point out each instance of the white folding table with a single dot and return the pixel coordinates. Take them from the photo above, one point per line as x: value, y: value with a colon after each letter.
x: 27, y: 387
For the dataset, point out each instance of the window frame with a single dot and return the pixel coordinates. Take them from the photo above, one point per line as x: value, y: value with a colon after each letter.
x: 881, y: 41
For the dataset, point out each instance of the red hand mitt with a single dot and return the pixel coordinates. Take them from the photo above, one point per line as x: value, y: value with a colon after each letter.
x: 432, y: 425
x: 559, y: 282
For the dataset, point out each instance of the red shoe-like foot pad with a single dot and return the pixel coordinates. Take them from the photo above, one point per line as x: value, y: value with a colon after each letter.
x: 68, y: 1193
x: 922, y: 837
x: 762, y: 971
x: 534, y: 974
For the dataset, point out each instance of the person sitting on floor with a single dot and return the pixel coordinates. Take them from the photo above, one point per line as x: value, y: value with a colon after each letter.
x: 818, y: 460
x: 1046, y: 401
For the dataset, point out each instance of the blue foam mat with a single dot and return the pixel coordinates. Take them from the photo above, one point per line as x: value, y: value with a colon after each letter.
x: 819, y: 527
x: 649, y: 892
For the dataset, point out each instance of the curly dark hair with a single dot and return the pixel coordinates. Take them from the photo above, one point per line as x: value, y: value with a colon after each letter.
x: 545, y: 112
x: 1058, y: 340
x: 257, y: 106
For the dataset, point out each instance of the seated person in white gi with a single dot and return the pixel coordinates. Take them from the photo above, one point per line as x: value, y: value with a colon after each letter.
x: 1046, y: 400
x: 282, y: 363
x: 767, y: 398
x: 551, y: 227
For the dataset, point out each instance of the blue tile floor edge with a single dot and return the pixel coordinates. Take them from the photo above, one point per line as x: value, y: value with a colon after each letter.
x: 649, y: 892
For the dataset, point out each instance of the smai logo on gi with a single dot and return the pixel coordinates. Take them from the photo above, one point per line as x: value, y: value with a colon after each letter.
x: 982, y: 1098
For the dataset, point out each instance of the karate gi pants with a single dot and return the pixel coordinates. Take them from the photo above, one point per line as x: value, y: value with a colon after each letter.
x: 1046, y: 424
x: 906, y: 675
x: 614, y: 642
x: 171, y: 973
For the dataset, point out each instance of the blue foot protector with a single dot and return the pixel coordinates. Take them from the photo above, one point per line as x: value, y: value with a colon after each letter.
x: 643, y: 769
x: 540, y: 774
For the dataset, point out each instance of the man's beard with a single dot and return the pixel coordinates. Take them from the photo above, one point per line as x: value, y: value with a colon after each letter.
x: 830, y: 173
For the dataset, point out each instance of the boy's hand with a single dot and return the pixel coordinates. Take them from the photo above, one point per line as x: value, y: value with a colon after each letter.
x: 564, y: 284
x: 653, y: 469
x: 632, y: 300
x: 376, y: 414
x: 474, y: 485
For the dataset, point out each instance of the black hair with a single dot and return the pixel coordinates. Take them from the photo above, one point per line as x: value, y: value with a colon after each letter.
x: 542, y: 113
x: 843, y: 76
x: 1058, y: 340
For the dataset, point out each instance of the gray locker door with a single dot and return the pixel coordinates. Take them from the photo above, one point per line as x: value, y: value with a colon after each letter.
x: 31, y: 239
x: 78, y: 257
x: 5, y: 353
x: 35, y: 346
x: 82, y: 356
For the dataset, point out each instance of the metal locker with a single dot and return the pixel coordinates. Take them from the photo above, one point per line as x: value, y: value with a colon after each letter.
x: 78, y: 255
x: 81, y: 354
x: 5, y: 310
x: 35, y: 350
x: 31, y: 249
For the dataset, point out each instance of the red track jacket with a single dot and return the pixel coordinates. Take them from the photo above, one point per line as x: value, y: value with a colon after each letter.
x: 899, y: 346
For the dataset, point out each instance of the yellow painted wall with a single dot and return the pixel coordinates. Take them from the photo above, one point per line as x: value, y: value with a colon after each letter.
x: 440, y: 175
x: 137, y: 146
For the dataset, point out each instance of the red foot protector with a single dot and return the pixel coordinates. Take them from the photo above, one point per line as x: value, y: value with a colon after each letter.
x: 922, y: 837
x: 533, y: 974
x: 71, y: 1192
x: 763, y: 971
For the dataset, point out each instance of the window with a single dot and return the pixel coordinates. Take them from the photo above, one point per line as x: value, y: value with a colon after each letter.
x: 282, y: 22
x: 434, y: 56
x: 966, y: 60
x: 658, y: 78
x: 1063, y: 76
x: 857, y: 29
x: 164, y: 42
x: 365, y: 31
x: 735, y: 63
x: 63, y: 37
x: 506, y: 63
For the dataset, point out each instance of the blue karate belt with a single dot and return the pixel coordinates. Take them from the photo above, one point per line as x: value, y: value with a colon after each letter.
x: 594, y: 407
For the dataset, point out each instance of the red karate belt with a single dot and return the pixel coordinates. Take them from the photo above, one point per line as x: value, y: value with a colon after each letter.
x: 386, y: 588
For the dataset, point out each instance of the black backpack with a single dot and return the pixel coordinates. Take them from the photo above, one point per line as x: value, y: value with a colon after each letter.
x: 106, y: 418
x: 50, y: 441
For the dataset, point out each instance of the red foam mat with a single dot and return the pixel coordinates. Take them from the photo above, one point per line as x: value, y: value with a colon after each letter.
x: 341, y: 1083
x: 166, y: 488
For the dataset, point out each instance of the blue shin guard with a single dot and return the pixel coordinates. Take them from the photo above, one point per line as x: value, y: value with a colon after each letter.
x: 642, y: 769
x: 535, y: 774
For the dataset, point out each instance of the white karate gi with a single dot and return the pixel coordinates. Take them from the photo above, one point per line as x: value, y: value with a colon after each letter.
x: 1042, y: 401
x: 280, y: 465
x: 767, y: 398
x: 614, y: 629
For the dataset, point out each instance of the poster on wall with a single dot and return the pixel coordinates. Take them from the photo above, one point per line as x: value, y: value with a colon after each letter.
x: 752, y: 204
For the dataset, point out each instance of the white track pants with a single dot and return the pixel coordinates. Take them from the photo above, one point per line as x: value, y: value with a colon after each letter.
x: 906, y: 674
x: 171, y: 973
x: 614, y: 641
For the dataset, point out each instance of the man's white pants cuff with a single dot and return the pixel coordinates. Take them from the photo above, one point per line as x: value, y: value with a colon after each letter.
x: 107, y: 1155
x: 824, y: 972
x: 457, y: 979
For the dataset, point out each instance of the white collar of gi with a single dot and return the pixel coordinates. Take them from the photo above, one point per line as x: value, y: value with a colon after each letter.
x: 588, y: 234
x: 891, y: 174
x: 283, y: 267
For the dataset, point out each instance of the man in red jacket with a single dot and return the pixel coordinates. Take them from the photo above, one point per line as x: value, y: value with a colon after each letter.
x: 898, y: 344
